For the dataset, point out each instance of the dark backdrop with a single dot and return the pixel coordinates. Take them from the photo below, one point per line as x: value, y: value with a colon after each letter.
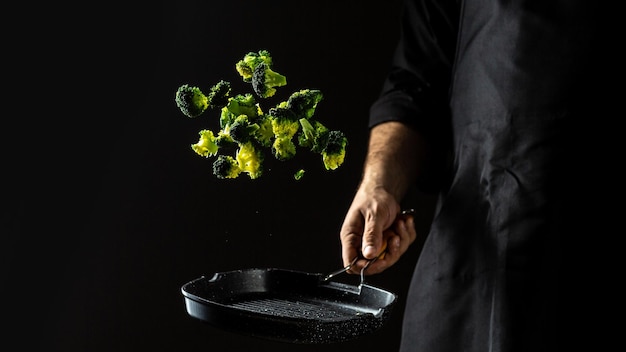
x: 108, y: 212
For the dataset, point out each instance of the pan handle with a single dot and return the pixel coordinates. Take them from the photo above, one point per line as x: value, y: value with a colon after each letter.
x: 342, y: 270
x: 216, y: 277
x: 347, y: 267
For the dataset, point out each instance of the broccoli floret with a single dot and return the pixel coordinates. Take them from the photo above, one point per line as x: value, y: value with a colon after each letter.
x: 218, y: 96
x: 265, y: 133
x: 265, y: 80
x: 320, y: 141
x: 265, y: 56
x: 285, y: 125
x: 313, y: 135
x: 241, y: 130
x: 284, y: 121
x: 335, y: 151
x: 225, y: 166
x: 250, y: 160
x: 207, y: 145
x: 282, y: 112
x: 223, y: 138
x: 191, y: 101
x: 250, y: 61
x: 284, y: 128
x: 298, y: 175
x: 304, y: 102
x: 283, y: 148
x: 226, y: 118
x: 243, y: 104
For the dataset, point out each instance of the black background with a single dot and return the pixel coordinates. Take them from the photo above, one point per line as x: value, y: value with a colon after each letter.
x: 108, y: 212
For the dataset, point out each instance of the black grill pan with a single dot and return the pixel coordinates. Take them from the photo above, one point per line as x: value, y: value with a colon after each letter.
x: 288, y: 306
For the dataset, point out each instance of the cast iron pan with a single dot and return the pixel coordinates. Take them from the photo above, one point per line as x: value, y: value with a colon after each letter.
x: 288, y: 306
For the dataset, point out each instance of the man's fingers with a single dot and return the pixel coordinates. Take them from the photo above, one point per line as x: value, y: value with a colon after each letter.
x: 405, y: 228
x: 398, y: 239
x: 350, y: 243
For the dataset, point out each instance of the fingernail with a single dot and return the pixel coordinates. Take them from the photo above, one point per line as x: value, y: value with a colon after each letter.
x: 369, y: 251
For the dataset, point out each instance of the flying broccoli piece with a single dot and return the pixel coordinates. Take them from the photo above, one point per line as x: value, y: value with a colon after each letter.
x: 304, y: 102
x: 243, y: 104
x: 250, y: 160
x: 313, y: 135
x: 334, y: 153
x: 281, y: 111
x: 283, y: 148
x: 226, y: 118
x: 241, y: 130
x: 218, y: 95
x: 245, y: 67
x: 284, y: 121
x: 298, y: 175
x: 284, y: 128
x: 191, y: 100
x: 265, y: 80
x: 225, y: 166
x: 265, y: 133
x: 207, y: 145
x: 223, y: 138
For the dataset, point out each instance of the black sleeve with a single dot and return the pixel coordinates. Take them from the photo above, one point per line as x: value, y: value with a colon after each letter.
x: 416, y: 88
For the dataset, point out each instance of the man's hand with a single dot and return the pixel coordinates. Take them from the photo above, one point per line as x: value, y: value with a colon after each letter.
x: 373, y: 221
x: 394, y: 155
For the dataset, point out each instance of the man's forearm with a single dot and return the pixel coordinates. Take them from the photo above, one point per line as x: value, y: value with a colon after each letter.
x: 394, y: 157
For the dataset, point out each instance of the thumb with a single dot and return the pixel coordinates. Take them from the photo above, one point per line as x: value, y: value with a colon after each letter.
x: 372, y: 239
x: 375, y: 224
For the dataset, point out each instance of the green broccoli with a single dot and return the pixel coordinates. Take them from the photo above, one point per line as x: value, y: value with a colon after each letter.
x: 281, y: 111
x: 241, y: 130
x: 225, y: 166
x: 265, y: 80
x: 299, y: 174
x: 265, y: 133
x: 304, y: 102
x: 207, y: 145
x: 245, y: 128
x: 335, y: 151
x: 226, y: 118
x: 218, y: 95
x: 191, y: 101
x: 245, y: 67
x: 283, y: 148
x: 284, y: 128
x: 243, y: 104
x: 313, y: 135
x: 250, y: 160
x: 284, y: 121
x: 223, y: 138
